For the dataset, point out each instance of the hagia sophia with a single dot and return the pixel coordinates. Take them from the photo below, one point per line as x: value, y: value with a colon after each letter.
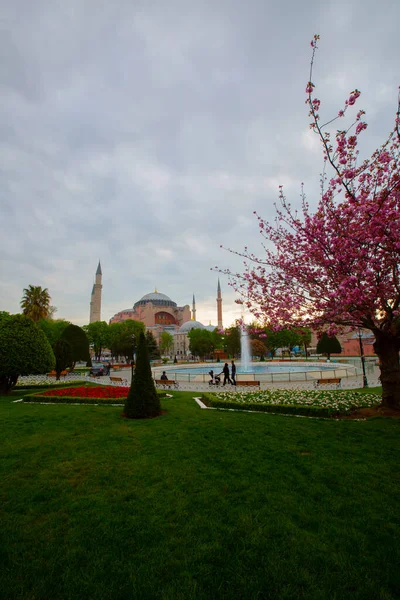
x: 158, y: 313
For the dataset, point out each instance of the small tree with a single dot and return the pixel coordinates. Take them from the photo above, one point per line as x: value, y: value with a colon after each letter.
x: 63, y: 354
x: 328, y: 345
x: 79, y: 343
x: 53, y: 329
x: 142, y: 401
x: 232, y: 340
x: 201, y: 342
x: 166, y: 342
x: 257, y: 348
x: 24, y: 350
x: 98, y: 336
x: 154, y: 352
x: 305, y: 336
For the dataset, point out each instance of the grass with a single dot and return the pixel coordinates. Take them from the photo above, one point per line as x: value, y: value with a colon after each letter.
x: 196, y: 504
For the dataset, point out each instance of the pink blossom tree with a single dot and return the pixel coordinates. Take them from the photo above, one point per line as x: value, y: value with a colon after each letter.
x: 337, y: 267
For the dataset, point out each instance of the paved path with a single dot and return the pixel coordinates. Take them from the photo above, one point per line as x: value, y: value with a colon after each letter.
x: 347, y: 383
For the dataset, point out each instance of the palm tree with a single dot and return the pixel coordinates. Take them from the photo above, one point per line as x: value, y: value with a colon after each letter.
x: 35, y: 303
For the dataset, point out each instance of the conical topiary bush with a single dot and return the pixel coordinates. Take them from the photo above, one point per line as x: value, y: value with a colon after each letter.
x: 142, y: 401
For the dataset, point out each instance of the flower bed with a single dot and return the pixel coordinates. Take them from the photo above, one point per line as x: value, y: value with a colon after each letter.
x: 88, y: 394
x: 38, y: 381
x: 299, y: 402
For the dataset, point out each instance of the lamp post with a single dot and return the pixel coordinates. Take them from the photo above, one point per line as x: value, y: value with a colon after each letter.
x: 365, y: 381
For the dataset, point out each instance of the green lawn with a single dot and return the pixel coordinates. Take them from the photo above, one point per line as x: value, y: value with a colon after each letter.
x: 196, y: 504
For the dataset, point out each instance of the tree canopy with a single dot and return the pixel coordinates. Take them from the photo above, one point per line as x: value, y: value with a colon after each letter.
x: 166, y: 342
x: 338, y: 266
x: 79, y: 344
x: 53, y: 329
x: 203, y: 342
x: 328, y: 345
x: 124, y: 338
x: 98, y: 334
x: 24, y: 350
x: 35, y: 303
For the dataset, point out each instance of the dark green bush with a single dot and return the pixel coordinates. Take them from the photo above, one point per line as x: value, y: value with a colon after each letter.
x: 47, y: 386
x: 24, y: 350
x: 63, y: 352
x: 36, y: 397
x: 143, y: 401
x: 79, y: 343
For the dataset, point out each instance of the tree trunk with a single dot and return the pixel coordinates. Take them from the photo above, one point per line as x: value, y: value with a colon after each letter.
x: 7, y: 383
x: 387, y: 349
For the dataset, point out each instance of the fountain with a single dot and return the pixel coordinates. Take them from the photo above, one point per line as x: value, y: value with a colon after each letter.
x: 245, y: 358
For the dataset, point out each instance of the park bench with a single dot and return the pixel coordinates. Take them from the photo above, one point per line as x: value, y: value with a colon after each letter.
x: 247, y: 384
x: 54, y: 374
x: 336, y: 381
x: 118, y: 380
x: 166, y: 384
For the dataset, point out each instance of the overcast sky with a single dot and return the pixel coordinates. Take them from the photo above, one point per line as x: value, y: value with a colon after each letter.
x: 146, y: 134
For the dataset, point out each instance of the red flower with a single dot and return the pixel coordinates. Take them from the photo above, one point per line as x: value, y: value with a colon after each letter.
x: 89, y: 392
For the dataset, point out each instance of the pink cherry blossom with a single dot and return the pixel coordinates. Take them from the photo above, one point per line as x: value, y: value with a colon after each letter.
x: 337, y: 267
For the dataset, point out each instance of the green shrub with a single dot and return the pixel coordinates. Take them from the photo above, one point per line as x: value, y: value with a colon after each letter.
x: 46, y: 386
x: 24, y: 350
x: 142, y: 401
x: 63, y: 353
x: 71, y: 400
x: 36, y: 397
x: 328, y: 345
x: 79, y: 343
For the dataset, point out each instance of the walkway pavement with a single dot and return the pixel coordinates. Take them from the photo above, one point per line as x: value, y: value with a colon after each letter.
x: 347, y: 383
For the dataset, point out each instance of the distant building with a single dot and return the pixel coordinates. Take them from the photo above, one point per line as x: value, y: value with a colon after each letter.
x: 158, y: 313
x: 155, y: 310
x: 350, y: 343
x: 95, y: 300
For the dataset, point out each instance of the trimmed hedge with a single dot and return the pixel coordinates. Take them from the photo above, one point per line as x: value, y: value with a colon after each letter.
x: 47, y: 386
x: 38, y: 399
x: 305, y: 411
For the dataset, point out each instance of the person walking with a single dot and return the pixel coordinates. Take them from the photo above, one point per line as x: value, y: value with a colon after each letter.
x: 233, y: 373
x: 225, y: 372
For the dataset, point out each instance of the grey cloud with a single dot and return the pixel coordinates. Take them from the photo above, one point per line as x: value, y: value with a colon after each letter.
x: 145, y: 134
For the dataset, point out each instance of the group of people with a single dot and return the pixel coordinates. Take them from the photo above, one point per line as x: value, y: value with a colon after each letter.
x: 229, y: 377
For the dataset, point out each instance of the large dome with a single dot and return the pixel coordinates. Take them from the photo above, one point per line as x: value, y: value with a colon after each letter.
x: 155, y: 298
x: 189, y: 325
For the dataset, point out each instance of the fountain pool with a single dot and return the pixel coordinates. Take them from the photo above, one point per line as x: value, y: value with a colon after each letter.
x: 263, y: 372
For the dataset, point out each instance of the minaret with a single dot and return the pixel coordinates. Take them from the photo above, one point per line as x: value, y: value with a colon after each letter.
x: 194, y: 309
x: 219, y: 305
x: 95, y: 302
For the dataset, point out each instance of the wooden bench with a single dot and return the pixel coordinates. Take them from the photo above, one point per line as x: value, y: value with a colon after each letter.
x: 118, y: 380
x: 247, y: 384
x: 336, y: 381
x: 54, y: 374
x: 166, y: 384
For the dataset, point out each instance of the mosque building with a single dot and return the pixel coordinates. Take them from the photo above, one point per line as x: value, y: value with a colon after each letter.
x: 158, y: 313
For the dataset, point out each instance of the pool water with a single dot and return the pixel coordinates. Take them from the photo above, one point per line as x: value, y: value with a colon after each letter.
x: 256, y: 368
